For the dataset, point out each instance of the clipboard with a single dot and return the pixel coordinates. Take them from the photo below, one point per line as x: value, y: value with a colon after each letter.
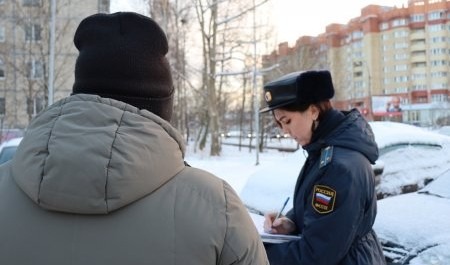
x: 258, y: 221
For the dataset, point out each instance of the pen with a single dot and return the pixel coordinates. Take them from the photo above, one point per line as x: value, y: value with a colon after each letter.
x: 282, y: 208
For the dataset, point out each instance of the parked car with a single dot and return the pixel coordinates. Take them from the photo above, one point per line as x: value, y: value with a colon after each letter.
x: 414, y: 228
x: 406, y: 151
x: 8, y: 149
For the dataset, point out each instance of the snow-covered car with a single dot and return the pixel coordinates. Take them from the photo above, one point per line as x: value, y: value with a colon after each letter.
x: 414, y: 228
x: 410, y: 157
x: 8, y: 149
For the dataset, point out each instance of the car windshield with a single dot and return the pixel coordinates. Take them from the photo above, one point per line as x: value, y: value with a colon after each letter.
x: 7, y: 153
x: 439, y: 187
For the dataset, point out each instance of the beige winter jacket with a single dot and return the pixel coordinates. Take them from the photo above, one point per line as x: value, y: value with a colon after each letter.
x: 97, y: 181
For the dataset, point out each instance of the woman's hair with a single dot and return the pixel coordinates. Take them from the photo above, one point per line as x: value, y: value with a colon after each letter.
x: 323, y: 106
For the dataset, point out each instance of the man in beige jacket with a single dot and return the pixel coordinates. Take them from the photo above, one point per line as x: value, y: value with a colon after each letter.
x: 99, y: 177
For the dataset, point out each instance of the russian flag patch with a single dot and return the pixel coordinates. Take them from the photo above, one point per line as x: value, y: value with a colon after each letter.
x: 323, y: 199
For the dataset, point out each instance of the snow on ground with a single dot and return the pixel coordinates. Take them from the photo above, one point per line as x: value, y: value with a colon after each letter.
x: 233, y: 165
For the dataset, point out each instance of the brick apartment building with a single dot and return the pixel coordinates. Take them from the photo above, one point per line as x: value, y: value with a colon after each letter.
x: 385, y: 57
x: 24, y: 54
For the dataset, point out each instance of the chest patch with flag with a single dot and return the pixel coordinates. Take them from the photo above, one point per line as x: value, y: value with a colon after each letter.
x: 323, y: 199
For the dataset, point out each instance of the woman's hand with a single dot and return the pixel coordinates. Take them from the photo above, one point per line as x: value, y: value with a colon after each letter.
x: 282, y: 225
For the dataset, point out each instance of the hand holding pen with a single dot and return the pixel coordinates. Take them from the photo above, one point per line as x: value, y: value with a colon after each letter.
x: 275, y: 223
x: 282, y: 208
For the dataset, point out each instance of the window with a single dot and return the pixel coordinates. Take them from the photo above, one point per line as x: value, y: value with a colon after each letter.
x: 357, y: 35
x: 348, y: 39
x: 438, y: 63
x: 401, y: 56
x: 438, y: 51
x: 400, y: 79
x: 438, y: 86
x: 418, y: 42
x: 401, y: 90
x: 357, y: 74
x: 419, y: 64
x: 400, y: 34
x: 2, y: 69
x: 439, y: 98
x: 35, y: 105
x: 399, y: 22
x: 400, y: 45
x: 420, y: 76
x: 418, y: 53
x: 358, y: 84
x: 401, y: 67
x: 436, y: 15
x: 2, y: 106
x: 384, y: 26
x: 357, y: 45
x: 419, y: 87
x: 418, y: 31
x: 357, y: 55
x: 35, y: 69
x: 417, y: 18
x: 438, y: 39
x: 31, y: 2
x: 33, y: 32
x: 437, y: 27
x: 357, y: 63
x: 438, y: 74
x: 2, y: 33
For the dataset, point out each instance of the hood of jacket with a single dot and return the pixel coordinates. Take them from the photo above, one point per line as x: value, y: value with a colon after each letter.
x: 91, y: 155
x: 347, y: 130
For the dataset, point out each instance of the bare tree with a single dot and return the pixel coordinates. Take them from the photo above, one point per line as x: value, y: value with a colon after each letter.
x: 203, y: 83
x: 224, y: 27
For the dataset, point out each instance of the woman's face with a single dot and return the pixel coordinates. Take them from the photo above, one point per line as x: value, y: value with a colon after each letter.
x: 297, y: 124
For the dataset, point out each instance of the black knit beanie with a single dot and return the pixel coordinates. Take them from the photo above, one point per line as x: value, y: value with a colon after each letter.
x: 122, y: 56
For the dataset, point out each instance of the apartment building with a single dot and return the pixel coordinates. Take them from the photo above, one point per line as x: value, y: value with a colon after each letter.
x: 25, y: 54
x: 393, y: 63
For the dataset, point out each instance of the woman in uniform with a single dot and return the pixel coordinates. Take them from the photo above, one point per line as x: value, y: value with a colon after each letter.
x: 334, y: 205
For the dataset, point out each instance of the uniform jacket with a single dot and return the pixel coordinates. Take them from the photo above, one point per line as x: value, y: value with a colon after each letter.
x: 97, y: 181
x: 334, y: 200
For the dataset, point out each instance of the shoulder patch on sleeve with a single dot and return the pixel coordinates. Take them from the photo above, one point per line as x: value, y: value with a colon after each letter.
x: 325, y: 156
x: 323, y: 199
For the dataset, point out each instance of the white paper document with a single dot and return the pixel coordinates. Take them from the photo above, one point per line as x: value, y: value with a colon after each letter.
x: 258, y: 220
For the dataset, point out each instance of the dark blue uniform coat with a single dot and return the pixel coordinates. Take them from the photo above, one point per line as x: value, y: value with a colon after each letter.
x: 334, y: 199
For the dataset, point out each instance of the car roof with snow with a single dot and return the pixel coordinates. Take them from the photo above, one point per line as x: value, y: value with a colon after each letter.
x: 416, y: 225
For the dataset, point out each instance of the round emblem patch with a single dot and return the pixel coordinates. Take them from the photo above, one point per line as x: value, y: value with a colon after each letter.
x: 268, y: 96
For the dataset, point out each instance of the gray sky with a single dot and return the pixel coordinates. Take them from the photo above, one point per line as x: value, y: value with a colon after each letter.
x: 294, y: 18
